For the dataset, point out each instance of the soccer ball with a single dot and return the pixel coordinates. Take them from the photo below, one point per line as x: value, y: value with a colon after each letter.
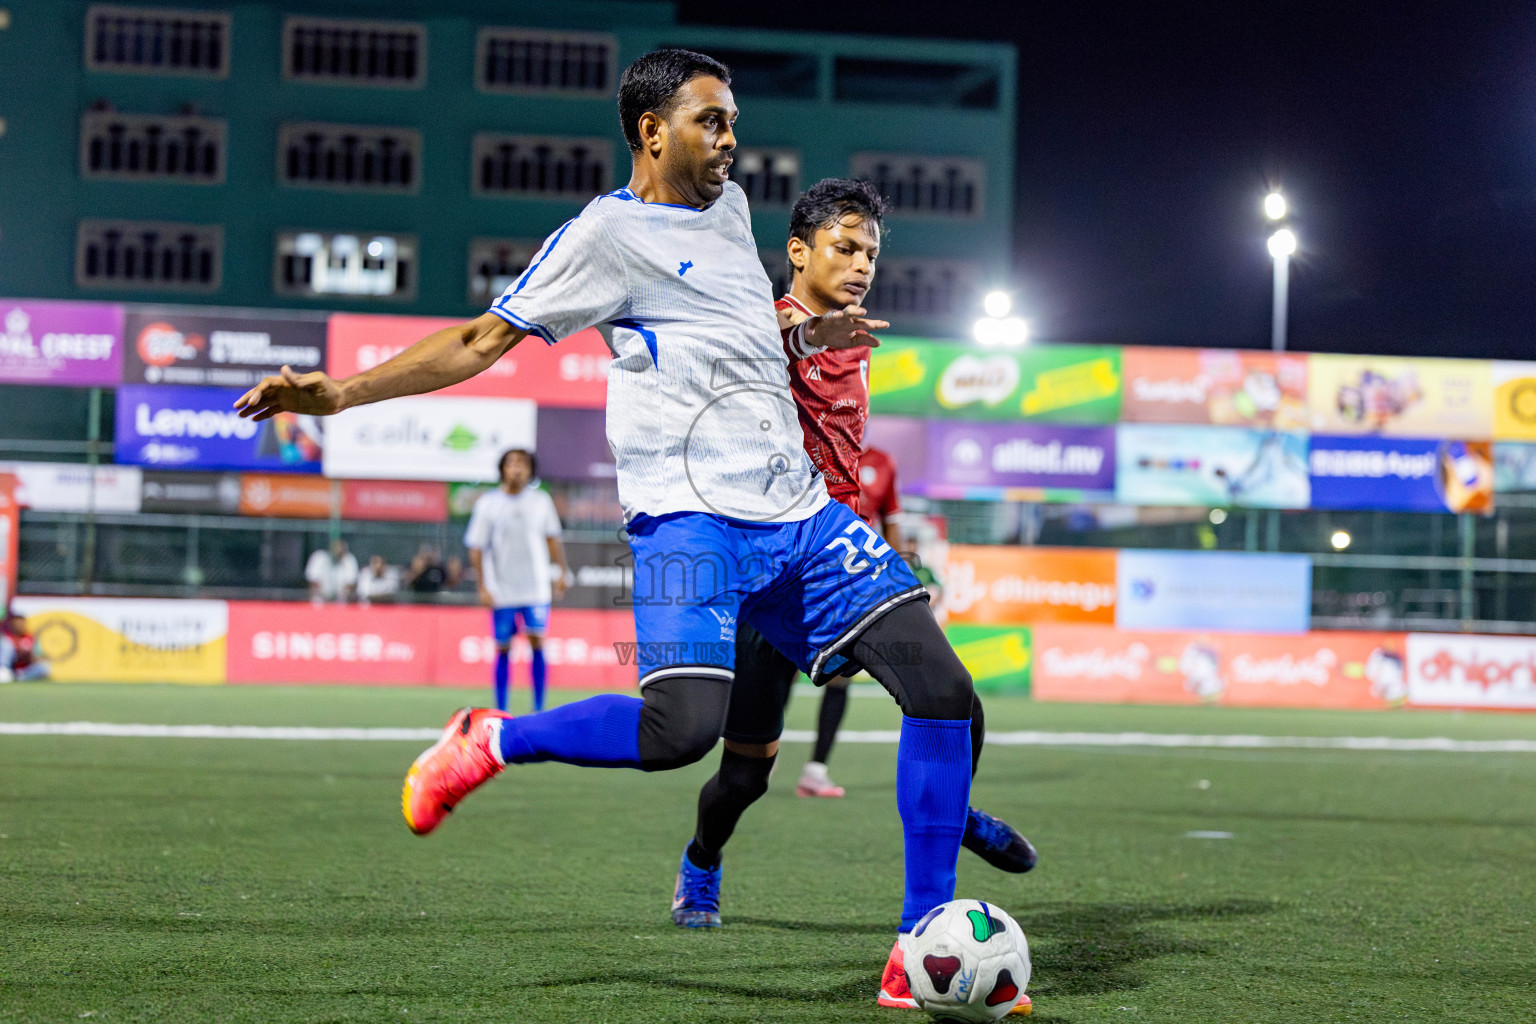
x: 967, y: 961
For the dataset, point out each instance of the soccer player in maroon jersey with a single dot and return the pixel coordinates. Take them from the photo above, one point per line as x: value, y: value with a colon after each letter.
x: 835, y: 235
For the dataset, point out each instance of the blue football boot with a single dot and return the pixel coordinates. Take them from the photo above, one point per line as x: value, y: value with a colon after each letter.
x: 997, y: 842
x: 696, y: 900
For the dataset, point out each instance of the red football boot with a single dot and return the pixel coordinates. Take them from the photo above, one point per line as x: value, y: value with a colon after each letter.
x: 451, y: 768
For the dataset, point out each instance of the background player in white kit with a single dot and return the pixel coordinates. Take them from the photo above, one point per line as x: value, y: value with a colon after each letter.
x: 514, y: 544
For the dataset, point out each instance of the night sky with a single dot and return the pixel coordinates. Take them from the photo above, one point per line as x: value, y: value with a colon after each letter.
x: 1403, y: 133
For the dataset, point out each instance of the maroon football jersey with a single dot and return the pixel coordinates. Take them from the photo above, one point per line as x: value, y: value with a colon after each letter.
x: 831, y: 389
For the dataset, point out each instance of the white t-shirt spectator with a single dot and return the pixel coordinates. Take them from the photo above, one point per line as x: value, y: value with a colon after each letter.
x: 333, y: 578
x: 371, y: 585
x: 512, y: 533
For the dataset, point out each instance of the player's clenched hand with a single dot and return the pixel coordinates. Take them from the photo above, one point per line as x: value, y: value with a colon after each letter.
x: 312, y: 394
x: 843, y: 328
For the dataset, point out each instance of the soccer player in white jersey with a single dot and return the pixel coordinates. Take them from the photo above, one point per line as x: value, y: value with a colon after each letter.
x: 513, y: 541
x: 727, y: 516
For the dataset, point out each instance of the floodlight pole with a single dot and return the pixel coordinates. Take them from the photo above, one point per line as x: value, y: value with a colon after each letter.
x: 1282, y: 298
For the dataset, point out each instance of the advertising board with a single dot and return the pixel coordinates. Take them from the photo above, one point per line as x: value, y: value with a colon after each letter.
x: 1027, y: 455
x: 1235, y: 591
x: 1051, y: 383
x: 122, y: 640
x: 173, y: 345
x: 987, y: 585
x: 1222, y: 386
x: 1401, y: 474
x: 184, y: 427
x: 1454, y: 670
x: 431, y: 437
x: 71, y: 487
x: 1514, y: 401
x: 1220, y: 466
x: 1315, y: 670
x: 572, y: 374
x: 1401, y: 397
x: 71, y: 344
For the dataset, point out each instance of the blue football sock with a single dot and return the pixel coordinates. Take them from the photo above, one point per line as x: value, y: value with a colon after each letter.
x: 503, y: 671
x: 933, y: 786
x: 539, y: 673
x: 599, y: 732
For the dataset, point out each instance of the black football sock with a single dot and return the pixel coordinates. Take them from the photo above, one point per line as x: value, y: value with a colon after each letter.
x: 723, y: 800
x: 834, y: 704
x: 978, y: 733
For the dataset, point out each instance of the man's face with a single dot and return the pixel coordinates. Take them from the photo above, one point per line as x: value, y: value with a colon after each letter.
x: 697, y: 140
x: 839, y: 264
x: 516, y: 471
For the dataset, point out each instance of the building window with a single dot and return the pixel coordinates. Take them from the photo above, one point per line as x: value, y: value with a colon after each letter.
x: 494, y: 263
x: 769, y: 177
x: 355, y: 158
x: 157, y: 41
x: 768, y: 75
x: 932, y: 186
x: 540, y: 166
x: 917, y: 83
x: 929, y: 289
x: 517, y: 60
x: 149, y: 255
x: 334, y: 51
x: 359, y: 264
x: 139, y: 147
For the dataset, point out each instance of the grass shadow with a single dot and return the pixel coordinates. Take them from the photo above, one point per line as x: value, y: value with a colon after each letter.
x: 1094, y: 948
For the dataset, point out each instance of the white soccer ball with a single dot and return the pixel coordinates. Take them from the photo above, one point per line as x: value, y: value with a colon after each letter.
x: 967, y: 961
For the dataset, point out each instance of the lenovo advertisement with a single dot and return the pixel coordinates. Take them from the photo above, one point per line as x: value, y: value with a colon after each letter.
x: 173, y: 427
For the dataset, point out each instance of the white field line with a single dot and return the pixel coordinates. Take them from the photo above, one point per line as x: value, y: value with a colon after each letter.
x: 1002, y: 739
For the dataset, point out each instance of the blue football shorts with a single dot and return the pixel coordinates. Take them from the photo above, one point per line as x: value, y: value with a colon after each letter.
x: 535, y: 618
x: 810, y: 587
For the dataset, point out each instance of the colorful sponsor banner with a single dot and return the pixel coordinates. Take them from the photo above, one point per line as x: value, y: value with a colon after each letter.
x: 428, y: 438
x: 111, y: 640
x: 1221, y: 386
x: 191, y: 493
x: 179, y: 427
x: 172, y: 345
x: 287, y: 497
x: 1221, y: 466
x: 997, y: 657
x: 401, y: 501
x: 1229, y: 591
x: 988, y: 585
x: 1514, y: 401
x: 71, y: 487
x: 73, y: 344
x: 1020, y: 455
x: 1316, y: 670
x: 1400, y: 397
x: 573, y: 374
x: 1514, y: 467
x: 1401, y: 474
x: 1452, y: 670
x: 574, y: 445
x: 280, y: 643
x: 10, y: 534
x: 1053, y: 383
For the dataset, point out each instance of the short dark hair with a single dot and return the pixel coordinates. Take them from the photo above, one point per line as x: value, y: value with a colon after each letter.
x: 651, y: 84
x: 501, y: 463
x: 830, y: 200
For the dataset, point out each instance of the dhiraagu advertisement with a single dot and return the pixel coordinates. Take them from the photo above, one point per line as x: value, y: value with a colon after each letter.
x: 108, y: 640
x: 1051, y: 383
x: 997, y: 657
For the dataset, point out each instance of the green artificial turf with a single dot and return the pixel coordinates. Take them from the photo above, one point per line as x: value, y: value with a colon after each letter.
x: 261, y: 881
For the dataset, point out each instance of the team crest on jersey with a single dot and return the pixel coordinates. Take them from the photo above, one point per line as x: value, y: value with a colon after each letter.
x: 814, y: 373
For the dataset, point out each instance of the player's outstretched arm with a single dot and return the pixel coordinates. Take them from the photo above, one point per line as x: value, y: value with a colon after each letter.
x: 440, y: 359
x: 843, y: 328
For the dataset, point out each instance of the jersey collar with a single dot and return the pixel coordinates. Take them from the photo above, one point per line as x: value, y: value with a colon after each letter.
x: 797, y: 304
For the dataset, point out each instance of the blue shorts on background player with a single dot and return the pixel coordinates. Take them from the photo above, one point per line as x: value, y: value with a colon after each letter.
x: 504, y: 623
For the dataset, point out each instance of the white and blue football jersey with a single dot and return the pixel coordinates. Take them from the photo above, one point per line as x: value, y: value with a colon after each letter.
x: 700, y: 413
